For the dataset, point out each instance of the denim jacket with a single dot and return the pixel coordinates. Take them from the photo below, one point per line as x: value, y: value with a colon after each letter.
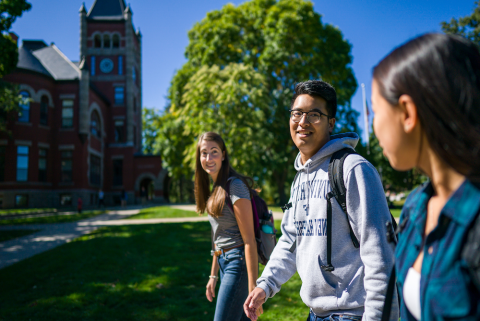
x: 446, y: 289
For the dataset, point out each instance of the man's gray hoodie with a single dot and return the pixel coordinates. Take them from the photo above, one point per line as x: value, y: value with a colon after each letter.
x: 358, y: 284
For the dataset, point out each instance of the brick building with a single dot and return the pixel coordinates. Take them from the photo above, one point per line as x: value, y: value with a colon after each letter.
x: 81, y: 130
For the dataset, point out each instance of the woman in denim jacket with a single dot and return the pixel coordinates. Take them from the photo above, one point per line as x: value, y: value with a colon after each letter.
x: 233, y: 233
x: 426, y: 99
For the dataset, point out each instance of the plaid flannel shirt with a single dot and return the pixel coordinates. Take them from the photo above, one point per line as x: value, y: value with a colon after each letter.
x: 446, y: 289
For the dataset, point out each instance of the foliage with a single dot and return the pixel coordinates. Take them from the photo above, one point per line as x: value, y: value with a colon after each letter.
x: 127, y: 273
x: 392, y: 180
x: 150, y: 125
x: 10, y: 10
x: 468, y: 26
x: 283, y: 41
x: 9, y: 98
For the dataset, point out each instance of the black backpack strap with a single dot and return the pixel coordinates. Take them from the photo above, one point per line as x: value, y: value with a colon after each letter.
x: 337, y: 184
x: 329, y: 267
x: 387, y: 307
x: 471, y: 252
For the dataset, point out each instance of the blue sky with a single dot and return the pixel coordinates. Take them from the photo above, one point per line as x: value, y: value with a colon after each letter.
x: 373, y: 27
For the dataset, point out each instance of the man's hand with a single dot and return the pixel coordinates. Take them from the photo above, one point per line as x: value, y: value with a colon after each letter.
x: 211, y: 289
x: 253, y: 305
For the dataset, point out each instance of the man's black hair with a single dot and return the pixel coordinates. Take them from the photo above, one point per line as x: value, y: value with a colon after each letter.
x: 318, y: 88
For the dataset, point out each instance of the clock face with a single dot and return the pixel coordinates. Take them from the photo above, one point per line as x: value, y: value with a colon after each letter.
x: 106, y: 65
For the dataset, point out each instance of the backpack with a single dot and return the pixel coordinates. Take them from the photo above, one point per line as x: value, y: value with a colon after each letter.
x: 339, y: 192
x: 263, y: 223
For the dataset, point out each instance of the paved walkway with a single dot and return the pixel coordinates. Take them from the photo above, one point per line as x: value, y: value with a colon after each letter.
x: 53, y: 235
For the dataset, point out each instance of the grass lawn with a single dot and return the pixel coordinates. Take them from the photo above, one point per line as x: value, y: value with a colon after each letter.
x: 396, y: 212
x: 27, y: 211
x: 138, y: 272
x: 9, y: 235
x: 163, y: 212
x: 51, y: 219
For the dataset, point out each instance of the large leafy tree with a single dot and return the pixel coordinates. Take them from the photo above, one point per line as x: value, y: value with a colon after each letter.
x: 468, y: 26
x: 10, y: 10
x: 286, y: 42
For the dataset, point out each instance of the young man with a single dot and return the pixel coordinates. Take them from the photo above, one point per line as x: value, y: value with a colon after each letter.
x: 355, y: 288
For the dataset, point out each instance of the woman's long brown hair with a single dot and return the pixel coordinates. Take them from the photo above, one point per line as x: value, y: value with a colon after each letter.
x: 213, y: 202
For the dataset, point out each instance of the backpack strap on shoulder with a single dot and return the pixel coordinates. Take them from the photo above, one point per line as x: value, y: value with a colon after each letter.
x: 337, y: 184
x: 471, y: 252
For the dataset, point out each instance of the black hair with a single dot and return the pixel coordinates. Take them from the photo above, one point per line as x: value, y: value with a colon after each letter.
x: 441, y: 73
x: 318, y: 88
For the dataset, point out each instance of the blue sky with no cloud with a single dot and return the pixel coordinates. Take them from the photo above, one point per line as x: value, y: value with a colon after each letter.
x: 373, y: 27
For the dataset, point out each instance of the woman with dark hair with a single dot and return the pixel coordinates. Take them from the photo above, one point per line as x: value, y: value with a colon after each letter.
x: 426, y: 99
x: 235, y: 253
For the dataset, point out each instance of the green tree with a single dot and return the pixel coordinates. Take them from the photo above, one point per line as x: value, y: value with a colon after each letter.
x: 150, y: 125
x: 468, y: 26
x: 10, y: 10
x: 286, y: 42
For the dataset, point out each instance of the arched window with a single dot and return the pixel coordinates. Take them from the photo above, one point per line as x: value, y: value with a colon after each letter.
x: 97, y: 41
x: 116, y: 41
x: 95, y: 127
x: 44, y: 110
x: 24, y: 114
x: 106, y: 41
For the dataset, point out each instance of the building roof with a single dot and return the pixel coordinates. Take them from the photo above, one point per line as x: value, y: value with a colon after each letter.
x: 107, y: 10
x: 26, y: 60
x: 57, y: 64
x: 36, y: 56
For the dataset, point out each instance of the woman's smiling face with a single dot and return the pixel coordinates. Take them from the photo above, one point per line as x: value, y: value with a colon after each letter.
x: 211, y: 157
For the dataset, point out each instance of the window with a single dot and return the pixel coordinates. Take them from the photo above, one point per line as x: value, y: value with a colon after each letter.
x: 119, y: 129
x: 44, y: 110
x: 24, y: 115
x: 92, y: 65
x: 2, y: 163
x: 22, y: 163
x: 67, y: 113
x: 66, y: 167
x: 135, y: 105
x: 21, y: 200
x: 95, y: 127
x: 66, y: 199
x: 106, y: 41
x: 97, y: 41
x: 119, y: 95
x: 95, y: 170
x: 42, y: 165
x: 116, y: 41
x: 134, y: 74
x: 118, y: 172
x: 120, y: 65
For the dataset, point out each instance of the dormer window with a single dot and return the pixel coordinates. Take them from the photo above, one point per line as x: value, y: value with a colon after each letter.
x: 106, y: 41
x: 116, y: 41
x: 97, y: 41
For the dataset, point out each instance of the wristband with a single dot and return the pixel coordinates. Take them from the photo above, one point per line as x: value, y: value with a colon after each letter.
x: 213, y: 277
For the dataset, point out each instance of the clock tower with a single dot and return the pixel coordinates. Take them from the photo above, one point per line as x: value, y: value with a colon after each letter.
x: 111, y: 50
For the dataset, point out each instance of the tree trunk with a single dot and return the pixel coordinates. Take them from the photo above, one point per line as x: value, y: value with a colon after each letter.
x: 280, y: 178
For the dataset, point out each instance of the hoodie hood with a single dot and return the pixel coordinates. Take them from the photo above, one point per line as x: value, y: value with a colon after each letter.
x: 337, y: 142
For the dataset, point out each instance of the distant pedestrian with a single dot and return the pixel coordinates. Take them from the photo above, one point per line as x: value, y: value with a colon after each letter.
x: 79, y: 205
x: 101, y: 202
x: 143, y: 195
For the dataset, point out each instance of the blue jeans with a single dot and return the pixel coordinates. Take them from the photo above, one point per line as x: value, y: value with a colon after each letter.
x: 233, y: 286
x: 333, y: 317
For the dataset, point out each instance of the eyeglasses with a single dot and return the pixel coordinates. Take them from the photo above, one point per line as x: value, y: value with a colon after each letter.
x: 313, y: 117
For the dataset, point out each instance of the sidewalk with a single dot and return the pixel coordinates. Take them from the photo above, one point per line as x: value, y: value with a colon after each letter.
x: 53, y: 235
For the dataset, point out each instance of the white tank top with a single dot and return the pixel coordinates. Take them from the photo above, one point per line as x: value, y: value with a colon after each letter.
x: 411, y: 293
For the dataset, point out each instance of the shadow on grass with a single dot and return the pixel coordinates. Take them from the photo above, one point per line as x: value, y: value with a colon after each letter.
x: 141, y: 272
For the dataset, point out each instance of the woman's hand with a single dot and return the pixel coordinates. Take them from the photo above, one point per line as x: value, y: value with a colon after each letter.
x: 212, y: 283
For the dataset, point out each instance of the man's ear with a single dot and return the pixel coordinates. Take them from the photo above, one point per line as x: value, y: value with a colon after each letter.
x: 331, y: 124
x: 410, y: 116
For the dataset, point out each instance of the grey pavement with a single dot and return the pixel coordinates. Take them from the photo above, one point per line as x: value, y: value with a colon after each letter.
x: 50, y: 236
